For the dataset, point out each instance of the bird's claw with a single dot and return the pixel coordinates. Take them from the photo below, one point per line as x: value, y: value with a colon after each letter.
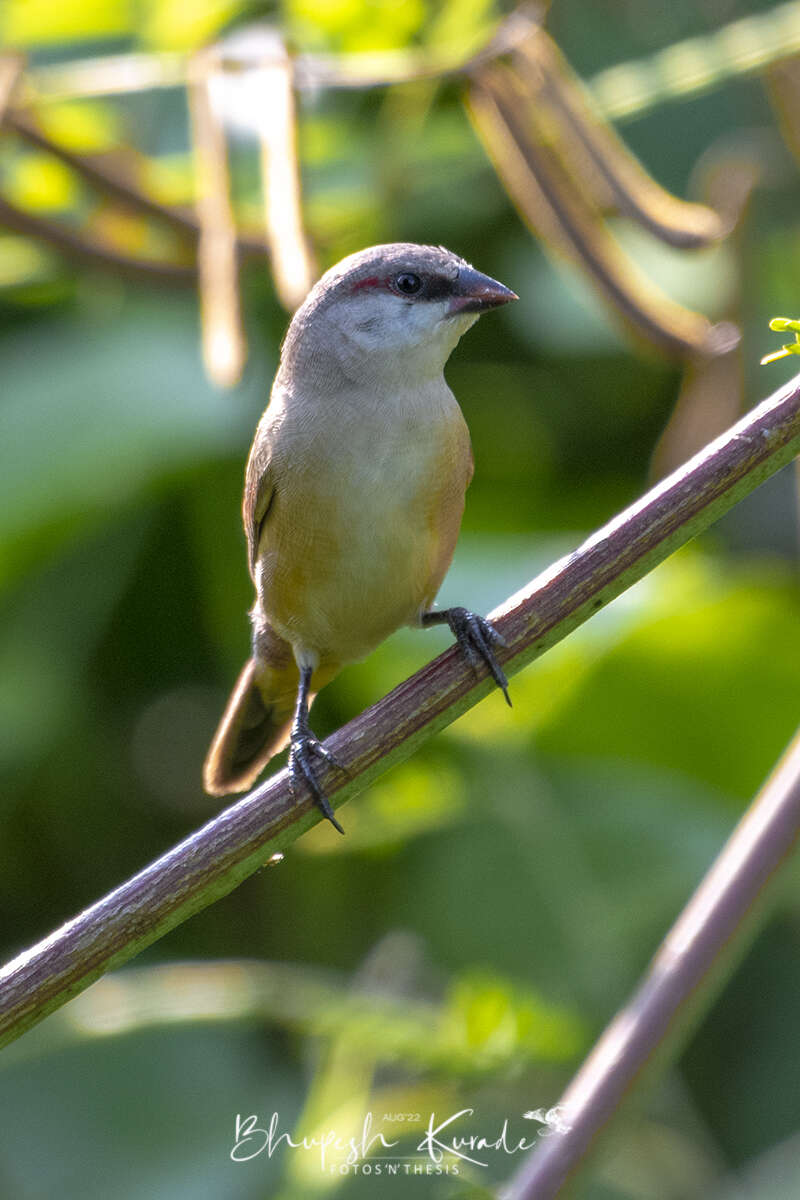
x: 476, y: 636
x: 304, y: 747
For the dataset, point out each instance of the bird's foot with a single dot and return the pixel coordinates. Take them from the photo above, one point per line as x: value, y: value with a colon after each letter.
x: 476, y: 636
x: 304, y: 748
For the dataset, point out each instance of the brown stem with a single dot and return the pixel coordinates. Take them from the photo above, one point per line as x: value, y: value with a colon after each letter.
x: 124, y: 74
x: 212, y: 861
x: 546, y: 197
x: 112, y: 174
x: 85, y: 249
x: 694, y: 945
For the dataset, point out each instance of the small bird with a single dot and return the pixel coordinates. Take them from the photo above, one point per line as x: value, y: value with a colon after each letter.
x: 354, y: 493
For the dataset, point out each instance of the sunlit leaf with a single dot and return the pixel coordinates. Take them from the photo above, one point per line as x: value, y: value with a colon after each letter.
x: 461, y: 25
x: 414, y: 799
x: 351, y: 25
x: 83, y: 128
x: 39, y: 183
x: 709, y: 689
x: 22, y: 261
x: 494, y: 1018
x: 169, y: 178
x: 40, y: 22
x: 177, y: 25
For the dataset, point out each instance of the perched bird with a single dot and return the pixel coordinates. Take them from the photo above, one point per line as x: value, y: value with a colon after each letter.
x: 354, y: 494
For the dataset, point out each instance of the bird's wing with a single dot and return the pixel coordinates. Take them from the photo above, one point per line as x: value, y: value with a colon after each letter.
x: 259, y: 492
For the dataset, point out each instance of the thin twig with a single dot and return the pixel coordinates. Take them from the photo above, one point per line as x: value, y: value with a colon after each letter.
x: 621, y: 92
x: 83, y: 248
x: 697, y: 940
x: 123, y: 74
x: 212, y: 861
x: 113, y: 176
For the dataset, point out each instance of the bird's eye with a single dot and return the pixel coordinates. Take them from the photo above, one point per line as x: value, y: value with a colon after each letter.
x: 408, y: 283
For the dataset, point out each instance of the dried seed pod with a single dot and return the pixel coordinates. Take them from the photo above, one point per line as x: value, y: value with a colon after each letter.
x: 556, y: 208
x: 224, y: 344
x: 672, y: 220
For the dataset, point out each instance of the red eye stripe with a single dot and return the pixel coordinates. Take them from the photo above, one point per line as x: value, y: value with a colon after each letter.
x: 371, y: 282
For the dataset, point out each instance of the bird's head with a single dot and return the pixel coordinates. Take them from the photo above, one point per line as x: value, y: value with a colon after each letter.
x: 393, y: 308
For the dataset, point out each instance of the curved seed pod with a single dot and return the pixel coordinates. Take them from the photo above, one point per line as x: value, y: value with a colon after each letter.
x: 11, y: 66
x: 267, y: 88
x: 555, y: 208
x: 783, y: 89
x: 672, y: 220
x: 224, y: 345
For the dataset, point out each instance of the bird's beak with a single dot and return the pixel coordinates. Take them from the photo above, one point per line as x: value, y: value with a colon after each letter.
x: 474, y: 292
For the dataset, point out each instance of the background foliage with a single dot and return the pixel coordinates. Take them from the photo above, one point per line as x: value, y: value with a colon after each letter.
x: 496, y: 897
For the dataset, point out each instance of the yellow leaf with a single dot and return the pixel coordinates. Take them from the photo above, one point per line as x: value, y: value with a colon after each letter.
x: 39, y: 183
x: 42, y: 22
x: 81, y: 127
x: 186, y: 24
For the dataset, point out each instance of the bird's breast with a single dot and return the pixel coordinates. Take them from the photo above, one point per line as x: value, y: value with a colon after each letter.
x: 363, y: 525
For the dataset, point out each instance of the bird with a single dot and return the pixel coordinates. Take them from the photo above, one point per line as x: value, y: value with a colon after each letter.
x: 354, y: 494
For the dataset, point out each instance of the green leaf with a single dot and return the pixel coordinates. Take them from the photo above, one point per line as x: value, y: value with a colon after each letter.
x: 44, y: 22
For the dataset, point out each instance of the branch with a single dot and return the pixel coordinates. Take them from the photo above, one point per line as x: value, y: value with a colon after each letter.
x: 124, y: 74
x: 113, y: 175
x: 684, y: 69
x: 697, y: 942
x: 83, y: 248
x: 212, y: 861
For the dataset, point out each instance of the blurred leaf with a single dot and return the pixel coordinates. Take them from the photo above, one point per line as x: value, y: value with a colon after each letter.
x: 709, y: 688
x: 352, y: 25
x: 82, y: 127
x: 461, y: 26
x: 42, y: 22
x: 414, y: 799
x: 39, y: 183
x: 166, y: 1132
x: 48, y: 643
x: 169, y: 178
x: 22, y: 261
x: 178, y: 25
x: 484, y: 1024
x: 133, y: 409
x: 495, y: 1020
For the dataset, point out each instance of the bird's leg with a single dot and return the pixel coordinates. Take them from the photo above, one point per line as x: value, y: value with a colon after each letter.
x: 304, y: 746
x: 476, y: 636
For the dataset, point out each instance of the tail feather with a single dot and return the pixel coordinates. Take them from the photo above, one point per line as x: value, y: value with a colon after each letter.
x: 253, y: 728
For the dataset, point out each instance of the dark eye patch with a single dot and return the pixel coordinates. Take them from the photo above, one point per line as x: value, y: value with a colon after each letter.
x: 438, y: 287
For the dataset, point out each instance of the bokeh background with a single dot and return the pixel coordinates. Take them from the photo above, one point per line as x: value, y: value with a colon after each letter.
x: 496, y: 897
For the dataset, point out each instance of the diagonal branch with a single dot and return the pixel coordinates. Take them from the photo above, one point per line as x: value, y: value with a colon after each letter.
x: 699, y: 942
x: 114, y: 175
x: 212, y: 861
x: 84, y: 247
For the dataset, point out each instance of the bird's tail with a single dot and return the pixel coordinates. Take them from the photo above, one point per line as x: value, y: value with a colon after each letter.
x: 254, y: 726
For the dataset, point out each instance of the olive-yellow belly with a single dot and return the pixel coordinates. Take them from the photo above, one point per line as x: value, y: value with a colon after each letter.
x: 357, y: 543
